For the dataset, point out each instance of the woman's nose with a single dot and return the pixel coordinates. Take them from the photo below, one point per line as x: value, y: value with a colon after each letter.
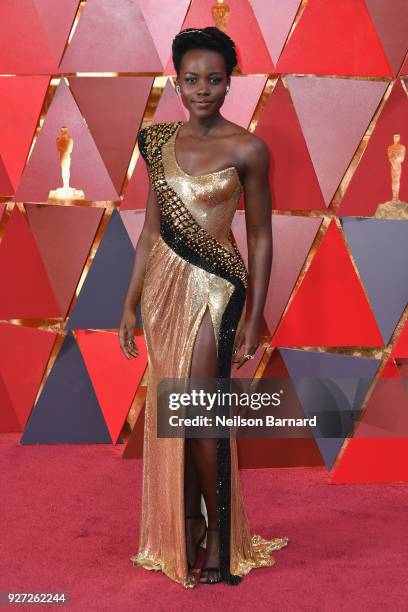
x: 203, y: 90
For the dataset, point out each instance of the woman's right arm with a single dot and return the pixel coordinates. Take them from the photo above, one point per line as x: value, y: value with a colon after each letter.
x: 147, y: 238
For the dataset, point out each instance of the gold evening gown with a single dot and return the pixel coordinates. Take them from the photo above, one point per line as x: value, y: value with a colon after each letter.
x: 195, y: 262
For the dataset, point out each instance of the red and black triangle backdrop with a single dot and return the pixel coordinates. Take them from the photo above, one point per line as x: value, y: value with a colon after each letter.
x: 325, y: 85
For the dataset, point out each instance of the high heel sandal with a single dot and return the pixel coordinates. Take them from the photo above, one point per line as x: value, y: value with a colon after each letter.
x: 210, y: 568
x: 201, y: 539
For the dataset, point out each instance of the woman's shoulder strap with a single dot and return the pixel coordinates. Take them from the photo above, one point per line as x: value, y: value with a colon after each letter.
x: 151, y: 138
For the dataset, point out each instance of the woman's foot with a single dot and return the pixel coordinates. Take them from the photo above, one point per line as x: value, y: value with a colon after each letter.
x: 196, y: 529
x: 211, y: 570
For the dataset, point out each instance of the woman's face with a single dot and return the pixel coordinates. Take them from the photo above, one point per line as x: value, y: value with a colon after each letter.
x: 203, y: 78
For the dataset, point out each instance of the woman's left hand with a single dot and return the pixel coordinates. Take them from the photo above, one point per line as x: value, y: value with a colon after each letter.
x: 249, y: 339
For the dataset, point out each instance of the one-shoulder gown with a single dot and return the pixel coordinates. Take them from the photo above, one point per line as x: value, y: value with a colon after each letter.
x: 194, y: 263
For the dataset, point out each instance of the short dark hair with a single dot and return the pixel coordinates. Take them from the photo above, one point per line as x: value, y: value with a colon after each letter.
x: 204, y: 38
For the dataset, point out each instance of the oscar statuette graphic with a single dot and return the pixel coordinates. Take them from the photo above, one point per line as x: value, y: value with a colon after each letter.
x: 220, y: 13
x: 65, y: 145
x: 394, y: 208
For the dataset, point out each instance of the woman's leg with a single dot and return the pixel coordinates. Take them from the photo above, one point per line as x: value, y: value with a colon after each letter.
x: 192, y: 504
x: 192, y: 491
x: 204, y: 450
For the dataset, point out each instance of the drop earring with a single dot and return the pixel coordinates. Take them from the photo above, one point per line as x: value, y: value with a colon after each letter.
x: 178, y: 89
x: 227, y: 89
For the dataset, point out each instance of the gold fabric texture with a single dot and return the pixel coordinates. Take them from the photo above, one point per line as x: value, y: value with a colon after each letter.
x: 174, y: 299
x: 211, y: 198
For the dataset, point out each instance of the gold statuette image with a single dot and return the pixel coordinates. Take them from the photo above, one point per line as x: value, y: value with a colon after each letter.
x: 220, y: 13
x: 65, y: 144
x: 395, y: 208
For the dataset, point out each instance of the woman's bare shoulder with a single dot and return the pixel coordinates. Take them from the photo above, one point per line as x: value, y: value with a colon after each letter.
x: 249, y: 147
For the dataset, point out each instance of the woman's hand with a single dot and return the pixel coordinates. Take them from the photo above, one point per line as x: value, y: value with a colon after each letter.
x: 127, y: 334
x: 248, y: 338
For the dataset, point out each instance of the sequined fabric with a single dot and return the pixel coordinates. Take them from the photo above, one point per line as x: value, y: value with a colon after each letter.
x: 195, y: 264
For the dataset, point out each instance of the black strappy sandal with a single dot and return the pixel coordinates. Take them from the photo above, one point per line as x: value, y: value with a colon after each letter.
x: 209, y: 568
x: 200, y: 541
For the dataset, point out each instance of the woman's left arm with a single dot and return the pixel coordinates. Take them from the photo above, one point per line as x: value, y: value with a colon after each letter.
x: 258, y: 219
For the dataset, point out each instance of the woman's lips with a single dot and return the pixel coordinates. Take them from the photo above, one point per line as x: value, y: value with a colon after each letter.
x: 203, y: 103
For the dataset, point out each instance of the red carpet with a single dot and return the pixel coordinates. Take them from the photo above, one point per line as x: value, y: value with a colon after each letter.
x: 70, y: 523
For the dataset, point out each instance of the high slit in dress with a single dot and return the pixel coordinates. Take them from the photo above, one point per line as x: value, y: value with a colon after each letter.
x: 194, y: 263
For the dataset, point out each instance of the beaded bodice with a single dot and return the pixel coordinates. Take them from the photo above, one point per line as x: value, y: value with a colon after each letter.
x: 211, y: 198
x: 195, y: 209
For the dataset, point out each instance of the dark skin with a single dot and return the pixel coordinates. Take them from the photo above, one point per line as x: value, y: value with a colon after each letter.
x: 207, y: 143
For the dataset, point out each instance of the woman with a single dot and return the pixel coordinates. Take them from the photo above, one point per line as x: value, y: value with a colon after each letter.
x: 192, y: 283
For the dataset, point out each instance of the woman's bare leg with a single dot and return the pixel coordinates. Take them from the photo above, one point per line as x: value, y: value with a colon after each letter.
x: 204, y: 450
x: 192, y: 503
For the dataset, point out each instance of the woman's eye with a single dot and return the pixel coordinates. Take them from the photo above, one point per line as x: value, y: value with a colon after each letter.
x: 213, y: 81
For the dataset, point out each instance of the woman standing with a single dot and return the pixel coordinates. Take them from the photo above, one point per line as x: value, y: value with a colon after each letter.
x: 192, y: 284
